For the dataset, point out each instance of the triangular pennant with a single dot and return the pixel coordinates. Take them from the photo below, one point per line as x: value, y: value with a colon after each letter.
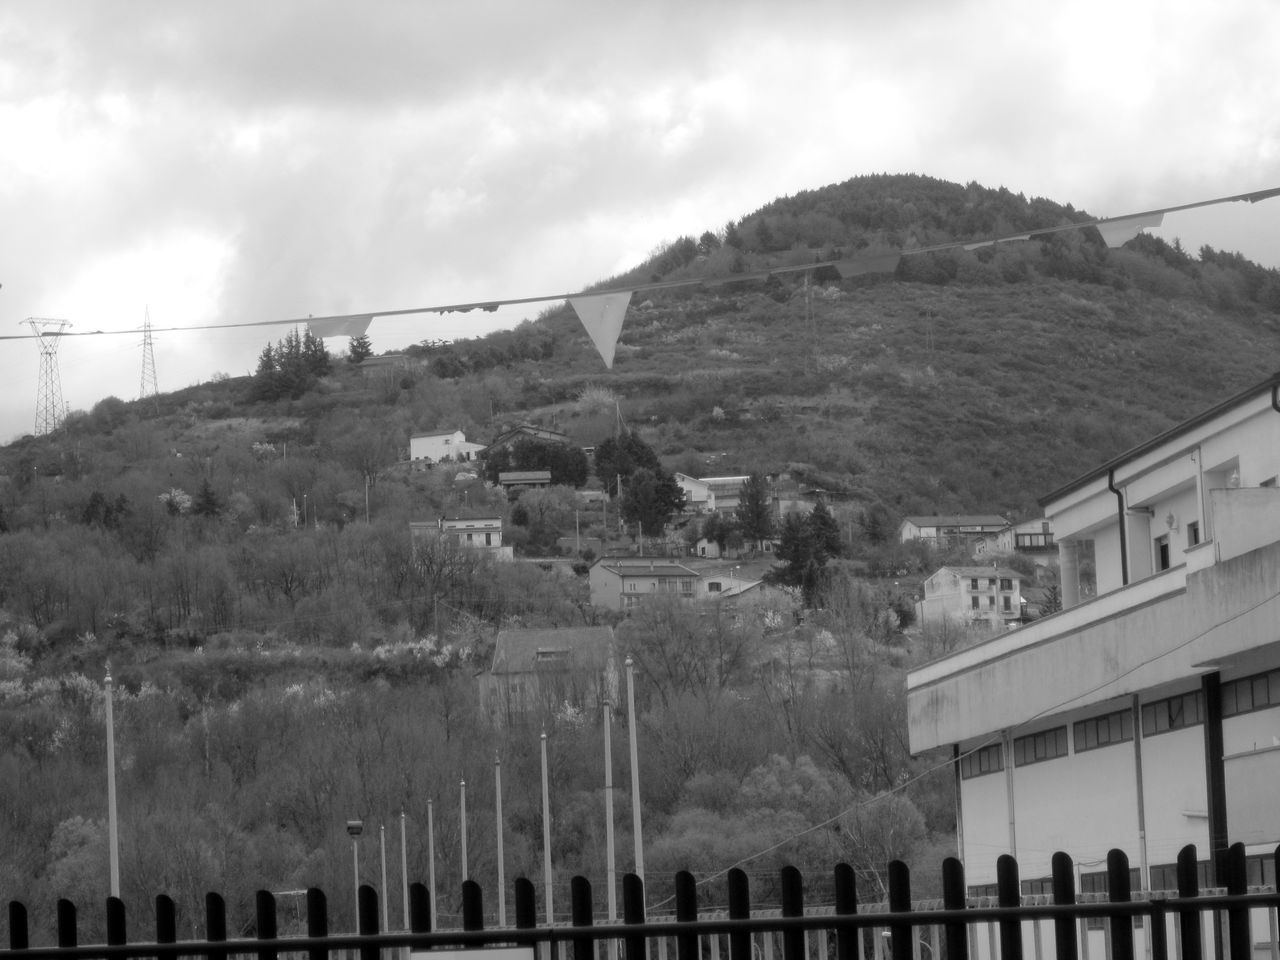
x: 858, y: 266
x: 339, y: 326
x: 1120, y: 231
x: 602, y: 317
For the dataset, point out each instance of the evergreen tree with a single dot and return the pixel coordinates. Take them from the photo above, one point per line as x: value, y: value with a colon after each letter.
x: 650, y: 500
x: 824, y: 533
x: 755, y: 511
x: 359, y: 349
x: 621, y: 457
x: 206, y: 503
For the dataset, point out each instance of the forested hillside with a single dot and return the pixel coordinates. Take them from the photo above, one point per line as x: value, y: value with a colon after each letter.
x: 285, y: 660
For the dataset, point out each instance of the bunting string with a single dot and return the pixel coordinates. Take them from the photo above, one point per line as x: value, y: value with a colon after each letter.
x: 602, y: 311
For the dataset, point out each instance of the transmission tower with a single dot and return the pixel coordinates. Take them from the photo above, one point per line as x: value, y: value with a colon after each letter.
x: 148, y: 388
x: 50, y: 411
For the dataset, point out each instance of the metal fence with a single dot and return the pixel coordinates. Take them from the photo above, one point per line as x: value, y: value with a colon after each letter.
x: 1186, y: 923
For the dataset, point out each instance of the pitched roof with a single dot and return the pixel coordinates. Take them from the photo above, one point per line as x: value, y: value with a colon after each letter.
x: 560, y: 648
x: 645, y: 567
x: 981, y: 572
x: 436, y: 433
x: 525, y: 476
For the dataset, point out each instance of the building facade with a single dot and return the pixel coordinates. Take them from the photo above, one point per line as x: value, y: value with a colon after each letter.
x: 1145, y: 715
x: 967, y: 595
x: 442, y: 445
x: 621, y: 583
x: 946, y: 531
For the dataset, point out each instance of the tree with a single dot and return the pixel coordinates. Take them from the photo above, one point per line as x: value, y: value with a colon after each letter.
x: 824, y: 533
x: 621, y: 457
x: 359, y: 349
x: 755, y: 511
x: 651, y: 499
x: 206, y: 503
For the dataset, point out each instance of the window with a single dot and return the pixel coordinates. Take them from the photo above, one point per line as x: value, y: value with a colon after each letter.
x: 973, y: 583
x: 1162, y: 552
x: 985, y: 890
x: 982, y: 761
x: 1193, y: 533
x: 713, y: 586
x: 686, y: 586
x: 973, y: 602
x: 1251, y: 693
x: 1164, y: 876
x: 991, y: 583
x: 1006, y: 583
x: 1037, y: 747
x: 1174, y: 713
x: 1007, y: 603
x: 631, y: 586
x: 991, y: 602
x: 1097, y: 883
x: 1039, y: 886
x: 1103, y: 731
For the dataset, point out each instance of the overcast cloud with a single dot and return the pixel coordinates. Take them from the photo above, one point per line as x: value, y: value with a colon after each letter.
x: 236, y: 161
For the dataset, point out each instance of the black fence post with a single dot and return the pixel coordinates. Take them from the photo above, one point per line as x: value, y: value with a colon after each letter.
x: 265, y: 911
x: 954, y: 898
x: 1009, y: 894
x: 117, y: 931
x: 1241, y: 938
x: 19, y: 938
x: 367, y: 904
x: 633, y: 913
x: 739, y: 909
x: 1118, y: 891
x: 686, y: 912
x: 166, y: 919
x: 1189, y: 920
x: 1065, y: 942
x: 67, y: 923
x: 472, y: 906
x: 215, y: 924
x: 419, y: 908
x: 317, y: 921
x: 846, y: 890
x: 900, y: 902
x: 580, y: 899
x: 792, y: 906
x: 526, y: 903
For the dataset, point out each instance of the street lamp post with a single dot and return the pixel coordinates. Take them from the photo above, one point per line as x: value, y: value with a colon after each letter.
x: 635, y: 769
x: 113, y: 829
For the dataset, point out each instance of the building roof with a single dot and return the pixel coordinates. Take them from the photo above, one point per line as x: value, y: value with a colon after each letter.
x: 980, y: 572
x: 524, y: 651
x: 645, y: 567
x: 529, y: 430
x: 525, y: 476
x: 958, y: 520
x: 436, y: 433
x: 1271, y: 384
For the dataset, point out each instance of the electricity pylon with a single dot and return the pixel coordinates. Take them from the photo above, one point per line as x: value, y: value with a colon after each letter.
x: 148, y: 388
x: 50, y: 410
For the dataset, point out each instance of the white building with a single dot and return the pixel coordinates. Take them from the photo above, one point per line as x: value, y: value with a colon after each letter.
x: 481, y: 533
x: 1147, y: 717
x: 944, y: 531
x: 966, y: 595
x: 442, y: 445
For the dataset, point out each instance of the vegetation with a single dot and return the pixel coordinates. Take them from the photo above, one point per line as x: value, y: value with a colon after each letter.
x: 286, y: 657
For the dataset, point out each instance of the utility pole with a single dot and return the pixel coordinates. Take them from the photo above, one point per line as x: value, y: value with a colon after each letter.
x: 148, y: 387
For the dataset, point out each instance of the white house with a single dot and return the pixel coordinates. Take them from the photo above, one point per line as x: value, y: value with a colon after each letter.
x: 482, y: 533
x: 989, y: 595
x: 442, y: 445
x: 945, y: 531
x: 697, y: 494
x: 620, y: 583
x: 1147, y: 716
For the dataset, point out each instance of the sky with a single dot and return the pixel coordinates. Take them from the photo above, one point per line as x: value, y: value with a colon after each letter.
x: 238, y: 161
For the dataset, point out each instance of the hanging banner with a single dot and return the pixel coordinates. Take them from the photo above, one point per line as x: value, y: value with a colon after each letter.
x: 1120, y: 231
x: 858, y: 266
x: 339, y: 326
x: 602, y: 317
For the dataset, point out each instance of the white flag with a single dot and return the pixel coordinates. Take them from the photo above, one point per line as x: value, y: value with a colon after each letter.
x: 602, y: 317
x: 339, y: 326
x: 1120, y: 231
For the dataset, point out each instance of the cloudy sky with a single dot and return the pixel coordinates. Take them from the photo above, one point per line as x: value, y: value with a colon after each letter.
x: 240, y: 161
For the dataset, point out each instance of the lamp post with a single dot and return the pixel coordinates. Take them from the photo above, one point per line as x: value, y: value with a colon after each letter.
x: 354, y: 829
x: 546, y: 833
x: 113, y: 830
x: 635, y: 769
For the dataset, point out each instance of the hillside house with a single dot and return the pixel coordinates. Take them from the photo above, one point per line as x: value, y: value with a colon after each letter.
x: 967, y: 595
x: 697, y: 494
x: 948, y: 531
x: 513, y: 481
x: 543, y: 671
x: 620, y: 583
x: 1145, y: 717
x: 479, y: 533
x: 526, y: 431
x: 1031, y: 538
x: 441, y: 445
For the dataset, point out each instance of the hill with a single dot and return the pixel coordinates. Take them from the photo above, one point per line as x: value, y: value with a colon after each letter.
x: 284, y: 659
